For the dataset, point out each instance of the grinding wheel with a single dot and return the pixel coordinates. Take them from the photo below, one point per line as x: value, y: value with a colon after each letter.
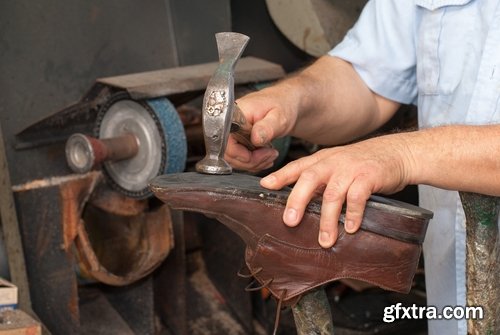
x: 160, y: 136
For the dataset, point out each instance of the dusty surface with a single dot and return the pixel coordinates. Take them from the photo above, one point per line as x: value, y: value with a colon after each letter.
x: 17, y: 319
x: 214, y: 316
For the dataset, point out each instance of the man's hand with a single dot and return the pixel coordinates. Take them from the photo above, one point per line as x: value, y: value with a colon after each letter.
x: 269, y: 120
x: 325, y: 103
x: 348, y: 174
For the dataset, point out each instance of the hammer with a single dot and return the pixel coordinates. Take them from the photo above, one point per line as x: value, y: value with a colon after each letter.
x: 220, y: 113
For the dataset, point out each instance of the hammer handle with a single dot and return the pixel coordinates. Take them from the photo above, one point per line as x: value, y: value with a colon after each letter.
x: 242, y: 130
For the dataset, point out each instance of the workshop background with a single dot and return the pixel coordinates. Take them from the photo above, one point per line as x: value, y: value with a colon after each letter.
x: 52, y: 53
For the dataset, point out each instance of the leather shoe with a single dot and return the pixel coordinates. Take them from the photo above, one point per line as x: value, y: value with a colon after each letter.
x: 289, y: 260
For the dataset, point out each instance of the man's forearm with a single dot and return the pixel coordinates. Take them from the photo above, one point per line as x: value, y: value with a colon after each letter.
x: 463, y: 158
x: 334, y: 104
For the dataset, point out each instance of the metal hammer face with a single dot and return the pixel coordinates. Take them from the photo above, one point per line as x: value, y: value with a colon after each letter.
x: 218, y: 104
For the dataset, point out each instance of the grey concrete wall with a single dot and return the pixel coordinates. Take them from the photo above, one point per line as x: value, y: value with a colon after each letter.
x: 52, y: 51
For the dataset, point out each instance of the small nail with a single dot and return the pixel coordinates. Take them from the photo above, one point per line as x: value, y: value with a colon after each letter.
x: 291, y: 215
x: 349, y: 226
x: 324, y: 237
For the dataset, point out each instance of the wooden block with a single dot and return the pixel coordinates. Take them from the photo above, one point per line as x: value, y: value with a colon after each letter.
x: 17, y: 322
x: 152, y: 84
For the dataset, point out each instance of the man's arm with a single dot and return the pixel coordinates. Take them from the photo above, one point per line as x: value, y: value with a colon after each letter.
x: 326, y: 103
x: 335, y: 105
x: 457, y: 157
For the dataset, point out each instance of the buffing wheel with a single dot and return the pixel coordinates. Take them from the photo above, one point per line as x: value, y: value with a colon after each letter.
x: 160, y: 135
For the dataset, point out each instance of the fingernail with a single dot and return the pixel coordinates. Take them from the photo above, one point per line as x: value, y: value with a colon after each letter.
x: 349, y: 226
x: 268, y: 166
x: 270, y: 180
x: 262, y: 136
x: 290, y: 215
x: 324, y: 237
x: 272, y: 156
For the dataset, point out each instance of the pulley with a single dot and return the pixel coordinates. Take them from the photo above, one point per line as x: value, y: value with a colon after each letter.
x: 133, y: 142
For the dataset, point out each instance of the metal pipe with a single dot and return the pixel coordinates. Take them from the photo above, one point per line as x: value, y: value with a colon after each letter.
x: 83, y: 152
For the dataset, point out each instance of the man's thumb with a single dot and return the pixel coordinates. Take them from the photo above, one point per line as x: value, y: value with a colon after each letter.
x: 266, y: 129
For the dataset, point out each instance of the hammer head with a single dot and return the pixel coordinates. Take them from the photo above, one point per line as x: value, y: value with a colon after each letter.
x: 218, y: 104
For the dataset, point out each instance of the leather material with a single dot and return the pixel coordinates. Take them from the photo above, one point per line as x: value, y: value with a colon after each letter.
x: 289, y: 261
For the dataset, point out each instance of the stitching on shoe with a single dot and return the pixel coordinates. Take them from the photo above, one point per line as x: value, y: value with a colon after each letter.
x: 269, y: 239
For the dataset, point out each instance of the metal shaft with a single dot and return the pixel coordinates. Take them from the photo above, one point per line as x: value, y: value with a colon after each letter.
x: 83, y: 152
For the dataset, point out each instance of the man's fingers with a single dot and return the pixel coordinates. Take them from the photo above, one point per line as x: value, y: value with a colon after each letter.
x: 236, y: 151
x: 329, y: 221
x: 357, y: 195
x: 300, y: 196
x: 266, y: 162
x: 331, y: 207
x: 288, y: 174
x: 258, y: 159
x: 338, y: 184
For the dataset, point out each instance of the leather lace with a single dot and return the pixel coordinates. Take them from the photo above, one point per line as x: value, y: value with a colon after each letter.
x: 248, y: 275
x: 278, y: 312
x: 250, y: 288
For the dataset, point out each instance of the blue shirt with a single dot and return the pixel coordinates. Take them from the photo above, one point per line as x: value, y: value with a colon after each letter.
x: 443, y: 56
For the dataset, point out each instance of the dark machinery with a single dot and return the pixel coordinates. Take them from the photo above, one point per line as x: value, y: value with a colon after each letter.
x: 86, y: 215
x: 134, y: 141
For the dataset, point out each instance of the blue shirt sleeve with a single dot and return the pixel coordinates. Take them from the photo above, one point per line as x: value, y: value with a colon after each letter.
x: 381, y: 47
